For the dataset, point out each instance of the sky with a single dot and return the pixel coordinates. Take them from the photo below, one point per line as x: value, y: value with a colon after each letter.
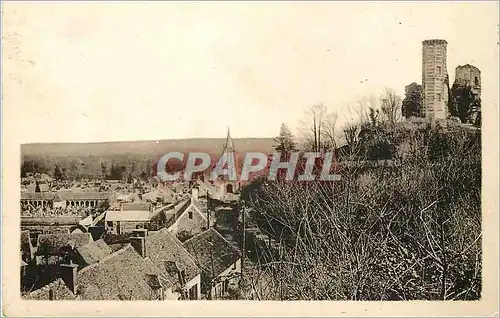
x: 111, y: 71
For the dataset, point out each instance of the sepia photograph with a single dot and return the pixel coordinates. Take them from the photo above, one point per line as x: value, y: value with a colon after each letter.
x: 160, y: 153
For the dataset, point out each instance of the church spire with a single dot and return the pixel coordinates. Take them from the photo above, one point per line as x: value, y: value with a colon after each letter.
x: 228, y: 144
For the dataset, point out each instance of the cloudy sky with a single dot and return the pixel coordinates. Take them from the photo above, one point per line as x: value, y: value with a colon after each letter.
x: 78, y: 72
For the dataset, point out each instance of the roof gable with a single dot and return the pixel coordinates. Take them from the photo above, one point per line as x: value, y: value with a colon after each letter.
x: 121, y: 275
x: 59, y: 292
x: 163, y: 247
x: 210, y: 246
x: 94, y: 251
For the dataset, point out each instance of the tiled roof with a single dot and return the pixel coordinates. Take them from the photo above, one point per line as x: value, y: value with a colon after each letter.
x: 94, y: 251
x: 53, y: 244
x: 121, y: 275
x: 163, y: 247
x: 210, y: 247
x: 164, y: 193
x: 38, y: 196
x: 173, y: 214
x: 59, y: 289
x: 128, y: 216
x: 136, y: 206
x: 70, y: 195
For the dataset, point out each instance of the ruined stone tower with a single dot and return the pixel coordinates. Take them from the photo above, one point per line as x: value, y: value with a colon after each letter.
x: 434, y: 80
x: 469, y: 75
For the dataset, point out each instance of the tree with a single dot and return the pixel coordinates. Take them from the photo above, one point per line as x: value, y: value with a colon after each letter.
x: 104, y: 170
x: 413, y: 101
x: 58, y: 175
x: 284, y: 142
x: 391, y: 106
x: 373, y: 114
x: 463, y: 102
x: 330, y: 129
x: 313, y: 126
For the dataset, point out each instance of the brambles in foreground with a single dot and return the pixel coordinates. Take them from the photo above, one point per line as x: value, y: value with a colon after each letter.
x: 410, y: 231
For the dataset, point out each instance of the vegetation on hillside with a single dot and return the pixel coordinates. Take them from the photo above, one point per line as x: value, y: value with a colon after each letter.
x: 408, y: 231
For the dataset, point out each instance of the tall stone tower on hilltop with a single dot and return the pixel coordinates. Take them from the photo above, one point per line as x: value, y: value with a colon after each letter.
x: 434, y: 79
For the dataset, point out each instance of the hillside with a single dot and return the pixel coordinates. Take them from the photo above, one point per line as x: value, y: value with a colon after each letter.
x: 150, y: 148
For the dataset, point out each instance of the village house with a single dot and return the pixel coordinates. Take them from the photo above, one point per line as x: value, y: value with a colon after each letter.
x: 50, y: 224
x: 121, y: 222
x: 161, y: 195
x: 127, y: 197
x: 182, y: 275
x: 39, y: 199
x: 55, y: 248
x: 86, y: 199
x: 188, y: 217
x: 219, y: 261
x: 56, y: 290
x: 64, y: 199
x: 137, y: 206
x: 123, y: 275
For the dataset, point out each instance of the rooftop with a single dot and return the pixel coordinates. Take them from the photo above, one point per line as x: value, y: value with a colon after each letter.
x: 138, y: 206
x: 94, y: 251
x: 434, y: 41
x: 122, y: 275
x: 162, y: 247
x: 53, y: 244
x: 59, y: 292
x: 211, y: 246
x: 135, y: 215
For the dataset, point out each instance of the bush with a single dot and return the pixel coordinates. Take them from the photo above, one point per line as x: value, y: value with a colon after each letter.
x: 409, y: 232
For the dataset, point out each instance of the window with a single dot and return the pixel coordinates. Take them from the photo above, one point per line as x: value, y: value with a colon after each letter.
x: 190, y: 215
x: 476, y: 81
x: 438, y: 97
x: 439, y: 70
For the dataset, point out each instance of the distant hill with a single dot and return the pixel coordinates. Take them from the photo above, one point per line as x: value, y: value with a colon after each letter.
x: 149, y: 148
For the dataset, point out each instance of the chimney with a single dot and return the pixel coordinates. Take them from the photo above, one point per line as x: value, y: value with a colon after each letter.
x: 194, y: 193
x: 69, y: 274
x: 140, y: 232
x: 139, y: 244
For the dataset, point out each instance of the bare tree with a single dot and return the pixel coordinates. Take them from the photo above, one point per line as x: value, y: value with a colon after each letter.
x: 313, y: 126
x: 330, y: 129
x: 391, y: 106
